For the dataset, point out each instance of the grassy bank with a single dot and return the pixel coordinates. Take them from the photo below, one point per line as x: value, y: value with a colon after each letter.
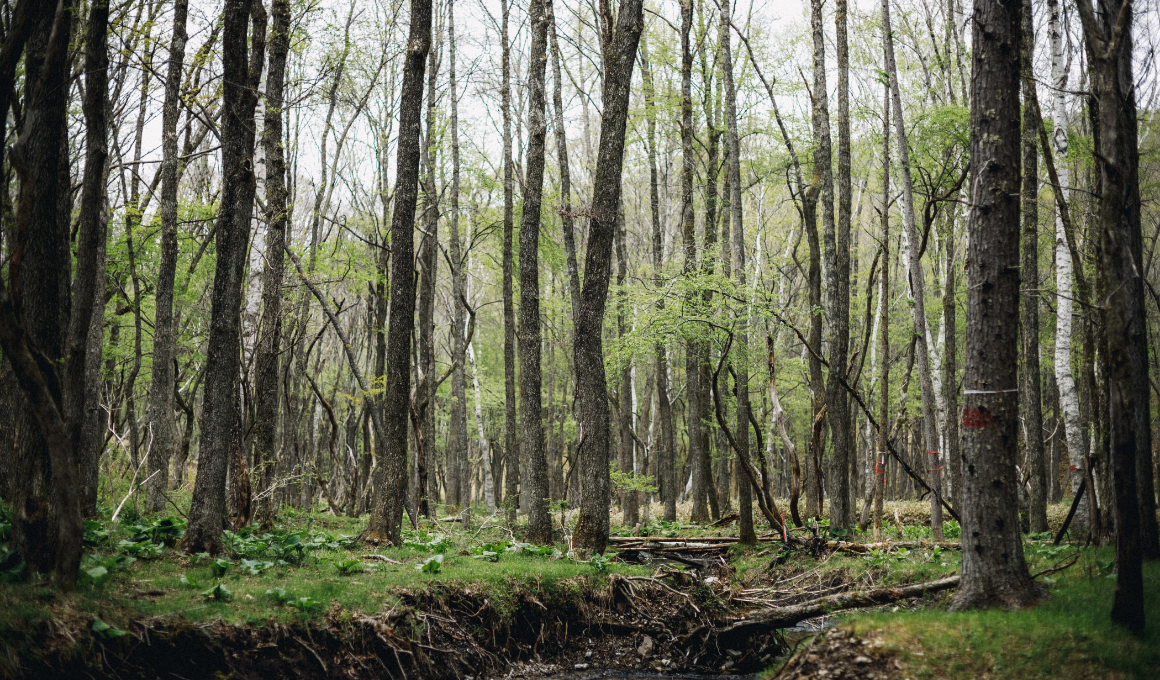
x: 1069, y: 635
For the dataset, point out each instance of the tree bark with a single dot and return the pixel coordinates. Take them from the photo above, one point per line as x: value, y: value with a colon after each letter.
x: 87, y: 323
x: 741, y: 361
x: 241, y: 72
x: 531, y: 379
x: 694, y: 412
x: 1108, y: 40
x: 161, y: 408
x: 425, y: 486
x: 267, y: 382
x: 884, y: 327
x: 592, y: 527
x: 511, y: 425
x: 837, y: 246
x: 917, y: 285
x: 390, y: 475
x: 994, y: 572
x: 663, y: 451
x: 46, y: 519
x: 1029, y: 302
x: 1068, y: 396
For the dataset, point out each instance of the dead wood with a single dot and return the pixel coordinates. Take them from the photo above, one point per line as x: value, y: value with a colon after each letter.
x: 782, y: 617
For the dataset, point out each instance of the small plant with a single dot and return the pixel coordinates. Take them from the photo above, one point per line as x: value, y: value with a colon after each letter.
x: 279, y: 594
x: 431, y: 565
x: 952, y: 530
x: 220, y: 566
x: 488, y: 556
x: 98, y: 571
x: 599, y: 563
x: 254, y: 567
x: 189, y: 581
x: 876, y: 558
x: 305, y: 605
x: 104, y: 631
x: 219, y: 593
x: 901, y: 554
x: 144, y: 550
x: 349, y: 567
x: 95, y: 532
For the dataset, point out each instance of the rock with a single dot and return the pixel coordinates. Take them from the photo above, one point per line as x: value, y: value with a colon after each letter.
x: 580, y: 666
x: 861, y: 659
x: 646, y: 647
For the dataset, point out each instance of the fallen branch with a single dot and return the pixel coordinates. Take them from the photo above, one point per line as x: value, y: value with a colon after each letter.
x: 783, y: 617
x: 382, y: 558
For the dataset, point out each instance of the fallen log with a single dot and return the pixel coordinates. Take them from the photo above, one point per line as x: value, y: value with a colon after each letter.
x: 783, y: 617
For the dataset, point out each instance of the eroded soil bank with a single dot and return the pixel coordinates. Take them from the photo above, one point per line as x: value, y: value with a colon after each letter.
x: 671, y: 624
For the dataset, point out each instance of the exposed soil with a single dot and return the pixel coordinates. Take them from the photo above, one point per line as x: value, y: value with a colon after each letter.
x: 669, y: 624
x: 838, y: 655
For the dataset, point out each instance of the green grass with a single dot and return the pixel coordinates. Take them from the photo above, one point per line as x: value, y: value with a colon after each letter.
x: 331, y: 569
x: 1069, y: 635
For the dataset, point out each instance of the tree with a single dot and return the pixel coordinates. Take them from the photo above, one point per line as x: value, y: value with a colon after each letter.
x: 531, y: 380
x: 87, y: 322
x: 994, y: 572
x: 591, y: 389
x: 161, y: 402
x: 1029, y: 303
x: 457, y: 446
x: 34, y: 317
x: 511, y: 425
x: 917, y: 282
x: 1108, y: 40
x: 221, y: 422
x: 663, y: 452
x: 267, y: 362
x: 390, y: 476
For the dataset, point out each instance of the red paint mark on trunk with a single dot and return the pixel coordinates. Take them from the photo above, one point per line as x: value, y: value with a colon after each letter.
x: 977, y: 417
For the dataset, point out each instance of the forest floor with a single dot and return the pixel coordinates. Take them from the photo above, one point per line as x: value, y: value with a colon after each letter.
x: 456, y: 602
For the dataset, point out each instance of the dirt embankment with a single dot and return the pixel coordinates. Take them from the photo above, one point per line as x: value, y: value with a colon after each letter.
x: 443, y: 631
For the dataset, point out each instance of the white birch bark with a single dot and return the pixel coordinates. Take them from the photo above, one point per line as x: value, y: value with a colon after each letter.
x: 1068, y: 396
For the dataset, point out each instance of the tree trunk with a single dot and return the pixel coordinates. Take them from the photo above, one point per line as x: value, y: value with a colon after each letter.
x: 994, y: 572
x: 837, y: 253
x: 161, y: 416
x: 1068, y: 396
x: 511, y: 425
x: 663, y: 450
x: 46, y: 520
x: 566, y: 217
x: 917, y: 285
x: 390, y: 475
x: 241, y: 72
x: 620, y: 50
x: 1108, y: 40
x: 694, y: 412
x: 884, y: 328
x: 87, y: 323
x: 457, y: 446
x: 1029, y: 303
x: 268, y: 364
x: 531, y: 379
x: 741, y: 362
x: 425, y: 485
x: 629, y: 504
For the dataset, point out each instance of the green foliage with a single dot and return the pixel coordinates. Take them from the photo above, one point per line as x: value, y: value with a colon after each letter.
x: 431, y: 565
x: 305, y: 605
x: 104, y: 631
x: 190, y: 581
x: 349, y: 567
x: 98, y: 571
x: 421, y: 540
x: 952, y: 530
x: 630, y: 481
x: 166, y: 531
x: 96, y: 533
x: 254, y: 567
x: 12, y: 568
x: 279, y: 594
x: 220, y: 567
x: 599, y: 563
x: 219, y: 592
x: 145, y: 550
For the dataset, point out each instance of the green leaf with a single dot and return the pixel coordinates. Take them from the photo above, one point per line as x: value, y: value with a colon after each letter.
x: 104, y: 630
x: 431, y: 565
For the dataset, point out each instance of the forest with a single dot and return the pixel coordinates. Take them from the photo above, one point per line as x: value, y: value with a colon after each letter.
x: 644, y: 311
